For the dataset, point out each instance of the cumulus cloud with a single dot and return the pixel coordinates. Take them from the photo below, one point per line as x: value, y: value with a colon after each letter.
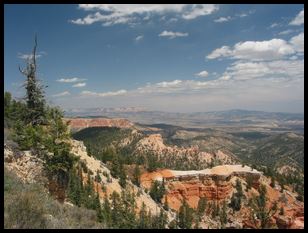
x: 202, y: 74
x: 103, y: 94
x: 138, y: 38
x: 197, y: 10
x: 224, y: 51
x: 225, y: 77
x: 298, y: 42
x: 177, y: 86
x: 290, y: 69
x: 65, y: 93
x: 79, y: 85
x: 298, y: 20
x: 169, y: 84
x: 110, y: 14
x: 222, y: 19
x: 70, y: 80
x: 172, y: 35
x: 255, y: 50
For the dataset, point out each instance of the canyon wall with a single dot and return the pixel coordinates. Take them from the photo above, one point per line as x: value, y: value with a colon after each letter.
x: 213, y: 184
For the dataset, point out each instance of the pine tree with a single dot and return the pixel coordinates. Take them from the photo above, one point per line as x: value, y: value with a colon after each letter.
x: 272, y: 184
x: 201, y: 207
x: 185, y: 216
x: 136, y: 178
x: 122, y: 176
x: 143, y: 221
x: 223, y: 215
x: 157, y: 191
x: 281, y: 212
x: 106, y: 211
x: 34, y: 92
x: 260, y: 210
x: 236, y: 199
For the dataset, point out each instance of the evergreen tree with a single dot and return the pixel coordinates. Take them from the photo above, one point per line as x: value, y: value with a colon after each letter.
x: 185, y: 216
x: 201, y: 207
x: 157, y: 191
x: 223, y: 215
x: 34, y: 92
x: 106, y: 211
x: 281, y: 212
x: 272, y: 184
x: 116, y: 210
x: 143, y: 221
x: 98, y: 178
x: 122, y: 176
x: 136, y: 178
x: 236, y: 199
x: 258, y: 205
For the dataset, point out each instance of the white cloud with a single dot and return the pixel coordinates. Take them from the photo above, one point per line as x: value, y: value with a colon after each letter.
x: 79, y: 85
x: 28, y: 56
x: 223, y: 19
x: 273, y: 25
x: 103, y: 94
x: 138, y: 38
x: 245, y: 14
x: 128, y: 13
x: 242, y: 15
x: 199, y: 10
x: 169, y: 84
x: 70, y: 80
x: 298, y: 42
x: 202, y: 74
x: 65, y: 93
x: 255, y: 50
x: 285, y: 32
x: 225, y: 77
x: 290, y: 69
x: 299, y: 19
x: 177, y: 86
x: 173, y: 35
x: 224, y: 51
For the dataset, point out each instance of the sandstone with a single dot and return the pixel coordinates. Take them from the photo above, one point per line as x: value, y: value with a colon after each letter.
x: 213, y: 184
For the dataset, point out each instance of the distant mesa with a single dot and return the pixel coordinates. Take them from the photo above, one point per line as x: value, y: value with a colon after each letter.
x: 82, y: 123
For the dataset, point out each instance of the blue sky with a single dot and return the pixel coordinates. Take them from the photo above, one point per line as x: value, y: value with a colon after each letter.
x: 178, y: 58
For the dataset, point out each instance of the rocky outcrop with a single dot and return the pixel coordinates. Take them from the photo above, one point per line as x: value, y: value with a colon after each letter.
x: 81, y: 123
x: 25, y: 164
x: 112, y: 184
x: 213, y: 184
x: 154, y: 143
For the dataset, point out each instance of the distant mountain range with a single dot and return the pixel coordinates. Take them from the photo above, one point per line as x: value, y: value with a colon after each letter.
x: 231, y: 118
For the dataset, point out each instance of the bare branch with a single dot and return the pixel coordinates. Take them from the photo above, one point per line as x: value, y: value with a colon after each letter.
x: 22, y: 71
x: 34, y: 52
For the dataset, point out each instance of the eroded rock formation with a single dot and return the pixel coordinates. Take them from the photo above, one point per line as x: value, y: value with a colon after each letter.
x: 213, y: 184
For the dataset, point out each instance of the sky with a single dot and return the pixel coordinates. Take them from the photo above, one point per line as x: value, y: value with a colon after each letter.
x: 171, y: 57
